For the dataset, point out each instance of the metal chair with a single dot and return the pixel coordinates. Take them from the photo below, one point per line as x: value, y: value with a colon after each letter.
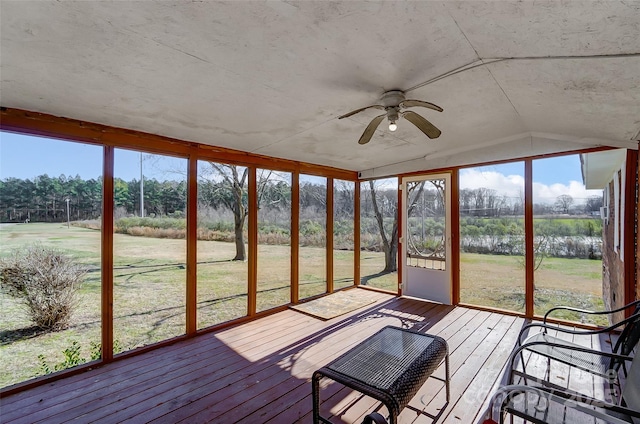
x: 375, y: 418
x: 572, y: 354
x: 541, y: 405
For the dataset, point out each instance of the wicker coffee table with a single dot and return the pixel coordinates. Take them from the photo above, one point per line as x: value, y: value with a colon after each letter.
x: 389, y: 366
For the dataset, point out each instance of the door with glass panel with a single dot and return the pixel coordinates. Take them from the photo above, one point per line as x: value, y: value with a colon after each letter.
x: 426, y: 237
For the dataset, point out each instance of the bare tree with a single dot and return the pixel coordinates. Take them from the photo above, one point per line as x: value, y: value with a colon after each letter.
x: 231, y: 191
x: 479, y: 197
x: 593, y: 204
x: 563, y: 203
x: 390, y: 243
x: 236, y: 179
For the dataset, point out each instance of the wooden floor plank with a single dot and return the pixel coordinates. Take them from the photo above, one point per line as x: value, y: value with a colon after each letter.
x: 482, y: 386
x: 508, y: 343
x: 345, y: 401
x: 267, y: 406
x: 465, y: 362
x: 212, y: 404
x: 260, y: 371
x: 454, y: 331
x: 135, y: 366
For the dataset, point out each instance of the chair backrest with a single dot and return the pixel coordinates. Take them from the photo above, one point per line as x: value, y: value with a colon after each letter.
x: 631, y: 390
x: 630, y: 335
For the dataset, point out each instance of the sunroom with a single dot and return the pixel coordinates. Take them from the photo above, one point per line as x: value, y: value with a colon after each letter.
x: 194, y: 163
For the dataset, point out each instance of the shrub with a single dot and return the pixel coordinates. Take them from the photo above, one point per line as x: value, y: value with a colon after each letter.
x: 72, y: 356
x: 311, y: 228
x: 46, y: 281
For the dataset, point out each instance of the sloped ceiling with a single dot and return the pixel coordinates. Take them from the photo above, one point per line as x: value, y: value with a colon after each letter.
x: 271, y: 77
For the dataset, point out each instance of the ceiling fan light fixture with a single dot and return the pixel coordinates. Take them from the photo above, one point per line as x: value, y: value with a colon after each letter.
x: 393, y: 103
x: 392, y: 116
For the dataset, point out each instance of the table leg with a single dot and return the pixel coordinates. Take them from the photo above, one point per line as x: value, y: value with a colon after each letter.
x: 315, y: 382
x: 446, y: 381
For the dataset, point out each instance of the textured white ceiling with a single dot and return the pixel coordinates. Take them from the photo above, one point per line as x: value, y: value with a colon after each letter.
x: 271, y: 77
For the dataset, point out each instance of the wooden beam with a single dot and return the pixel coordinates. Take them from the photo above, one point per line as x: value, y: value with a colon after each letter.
x: 40, y: 124
x: 107, y: 254
x: 192, y: 244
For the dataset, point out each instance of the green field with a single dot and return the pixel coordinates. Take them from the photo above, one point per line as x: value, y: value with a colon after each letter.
x: 149, y: 288
x: 498, y: 281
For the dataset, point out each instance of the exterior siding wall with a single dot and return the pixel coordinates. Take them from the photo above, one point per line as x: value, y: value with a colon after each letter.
x: 613, y: 290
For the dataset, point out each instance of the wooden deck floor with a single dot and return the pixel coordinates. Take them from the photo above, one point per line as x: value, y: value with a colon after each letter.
x: 259, y: 372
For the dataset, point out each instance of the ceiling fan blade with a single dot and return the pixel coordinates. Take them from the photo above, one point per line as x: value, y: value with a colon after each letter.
x: 412, y: 103
x: 423, y: 125
x: 371, y: 129
x: 346, y: 115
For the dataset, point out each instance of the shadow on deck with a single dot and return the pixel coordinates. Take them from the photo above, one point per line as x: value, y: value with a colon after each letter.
x: 260, y: 371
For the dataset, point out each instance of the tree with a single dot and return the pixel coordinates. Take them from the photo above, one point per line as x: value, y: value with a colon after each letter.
x: 593, y: 204
x: 389, y: 244
x: 121, y: 194
x: 466, y: 195
x: 390, y: 205
x: 232, y: 192
x: 227, y: 185
x: 563, y: 203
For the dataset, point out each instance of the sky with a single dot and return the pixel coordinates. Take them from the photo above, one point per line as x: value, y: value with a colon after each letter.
x: 26, y: 157
x: 552, y: 177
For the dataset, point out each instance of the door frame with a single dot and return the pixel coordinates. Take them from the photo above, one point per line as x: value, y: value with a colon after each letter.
x: 450, y: 180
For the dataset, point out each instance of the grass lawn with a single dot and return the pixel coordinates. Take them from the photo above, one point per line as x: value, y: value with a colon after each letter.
x: 149, y: 291
x: 498, y: 281
x: 149, y: 288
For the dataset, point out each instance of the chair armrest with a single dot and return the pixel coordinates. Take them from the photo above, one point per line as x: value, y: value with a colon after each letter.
x: 585, y: 311
x: 634, y: 317
x: 569, y: 308
x: 526, y: 346
x: 545, y: 327
x: 576, y: 348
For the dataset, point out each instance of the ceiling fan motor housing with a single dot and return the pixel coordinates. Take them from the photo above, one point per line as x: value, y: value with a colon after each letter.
x: 391, y: 102
x: 392, y: 98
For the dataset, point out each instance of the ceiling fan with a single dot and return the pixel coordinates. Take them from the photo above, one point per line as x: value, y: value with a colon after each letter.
x: 392, y: 103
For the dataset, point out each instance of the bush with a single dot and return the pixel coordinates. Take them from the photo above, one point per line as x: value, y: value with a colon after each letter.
x: 46, y: 281
x: 73, y: 357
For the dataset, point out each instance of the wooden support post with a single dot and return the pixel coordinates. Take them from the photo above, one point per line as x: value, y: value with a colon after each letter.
x: 528, y: 238
x: 253, y: 242
x: 400, y: 258
x: 192, y: 243
x: 356, y: 234
x: 107, y: 253
x: 329, y: 236
x: 455, y: 237
x: 630, y: 219
x: 295, y: 236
